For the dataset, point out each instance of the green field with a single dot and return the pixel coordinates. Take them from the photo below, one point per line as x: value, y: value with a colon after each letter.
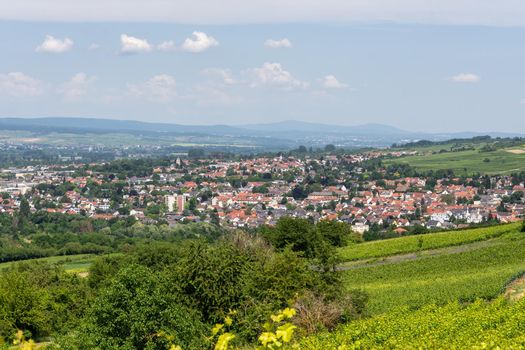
x: 71, y: 263
x: 447, y: 295
x: 501, y: 161
x: 481, y: 325
x: 416, y: 243
x: 465, y: 276
x: 468, y: 272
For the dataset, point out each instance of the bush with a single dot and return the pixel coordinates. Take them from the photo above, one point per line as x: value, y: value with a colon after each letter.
x: 139, y: 311
x: 317, y: 313
x: 40, y: 300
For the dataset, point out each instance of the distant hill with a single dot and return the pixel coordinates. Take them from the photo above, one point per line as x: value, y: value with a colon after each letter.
x: 286, y: 133
x: 316, y: 128
x: 110, y: 125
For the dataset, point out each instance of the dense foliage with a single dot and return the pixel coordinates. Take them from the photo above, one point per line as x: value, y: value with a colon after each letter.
x: 480, y: 325
x: 42, y: 234
x: 159, y: 293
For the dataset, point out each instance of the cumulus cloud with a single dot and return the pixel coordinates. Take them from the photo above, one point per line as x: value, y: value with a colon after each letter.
x: 54, y: 45
x: 17, y: 84
x: 130, y: 44
x: 161, y: 88
x: 277, y: 44
x: 199, y: 43
x: 77, y: 86
x: 331, y: 82
x: 166, y: 46
x: 465, y: 78
x: 224, y: 75
x: 273, y: 74
x: 93, y: 46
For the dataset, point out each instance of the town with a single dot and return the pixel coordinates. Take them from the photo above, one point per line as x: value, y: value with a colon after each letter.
x: 250, y: 192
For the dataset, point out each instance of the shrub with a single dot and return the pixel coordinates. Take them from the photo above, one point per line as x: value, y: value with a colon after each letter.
x: 317, y: 313
x: 138, y: 311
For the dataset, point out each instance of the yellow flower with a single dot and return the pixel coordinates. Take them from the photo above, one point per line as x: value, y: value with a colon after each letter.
x: 228, y: 321
x: 277, y: 318
x: 289, y: 313
x: 217, y: 329
x: 222, y: 342
x: 285, y: 332
x: 267, y: 337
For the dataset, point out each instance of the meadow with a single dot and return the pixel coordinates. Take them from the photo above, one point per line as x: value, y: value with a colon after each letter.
x: 71, y: 263
x: 502, y: 161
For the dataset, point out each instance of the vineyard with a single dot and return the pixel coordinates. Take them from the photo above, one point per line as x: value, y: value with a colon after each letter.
x: 416, y: 243
x: 452, y: 293
x: 480, y: 325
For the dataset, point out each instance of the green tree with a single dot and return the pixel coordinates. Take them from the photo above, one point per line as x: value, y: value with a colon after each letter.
x: 138, y: 311
x: 25, y: 210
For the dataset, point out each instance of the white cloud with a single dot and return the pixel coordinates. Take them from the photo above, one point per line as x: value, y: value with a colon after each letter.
x: 522, y: 101
x: 18, y: 84
x: 77, y: 86
x: 273, y: 74
x: 331, y: 82
x: 481, y: 12
x: 130, y: 44
x: 200, y: 42
x: 93, y: 46
x: 224, y: 75
x: 54, y: 45
x: 161, y: 88
x: 466, y: 78
x: 166, y: 46
x: 277, y: 44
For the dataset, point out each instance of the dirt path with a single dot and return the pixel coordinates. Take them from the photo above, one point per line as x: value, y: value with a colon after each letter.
x: 516, y: 289
x: 394, y: 259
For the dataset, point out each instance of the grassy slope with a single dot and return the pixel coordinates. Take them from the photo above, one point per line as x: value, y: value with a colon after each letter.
x: 410, y: 244
x: 467, y: 162
x: 404, y: 295
x: 464, y: 275
x: 71, y: 263
x: 480, y: 325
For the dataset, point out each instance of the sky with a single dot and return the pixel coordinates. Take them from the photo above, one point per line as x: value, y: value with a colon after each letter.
x: 433, y: 66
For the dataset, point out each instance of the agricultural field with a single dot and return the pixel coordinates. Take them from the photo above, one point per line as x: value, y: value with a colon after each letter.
x: 409, y: 244
x: 480, y: 325
x: 500, y: 161
x: 474, y: 271
x: 463, y: 290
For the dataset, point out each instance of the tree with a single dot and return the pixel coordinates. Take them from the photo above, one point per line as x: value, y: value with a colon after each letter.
x: 329, y: 148
x: 138, y: 311
x: 196, y: 153
x: 25, y: 210
x: 298, y: 192
x: 302, y: 149
x: 448, y: 199
x: 316, y: 242
x: 337, y: 233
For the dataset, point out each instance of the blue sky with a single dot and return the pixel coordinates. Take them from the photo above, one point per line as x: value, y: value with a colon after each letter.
x: 418, y: 67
